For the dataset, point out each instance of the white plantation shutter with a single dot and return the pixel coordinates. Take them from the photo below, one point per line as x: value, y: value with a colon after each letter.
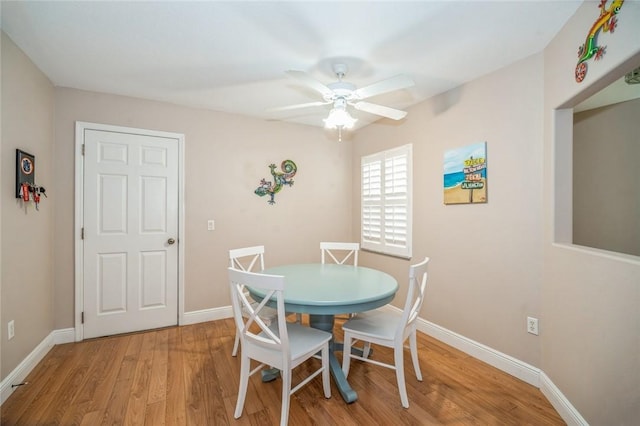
x: 371, y: 201
x: 386, y: 201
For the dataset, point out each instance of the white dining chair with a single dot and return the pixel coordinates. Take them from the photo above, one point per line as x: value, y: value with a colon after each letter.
x: 250, y: 259
x: 389, y: 328
x: 282, y: 345
x: 340, y: 253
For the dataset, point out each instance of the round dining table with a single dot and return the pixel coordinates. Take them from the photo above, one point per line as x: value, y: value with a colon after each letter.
x: 324, y: 290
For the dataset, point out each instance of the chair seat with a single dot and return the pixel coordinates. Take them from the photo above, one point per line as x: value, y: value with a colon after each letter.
x: 301, y: 337
x: 380, y: 323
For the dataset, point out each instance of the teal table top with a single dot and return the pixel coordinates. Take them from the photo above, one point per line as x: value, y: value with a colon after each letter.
x: 315, y: 288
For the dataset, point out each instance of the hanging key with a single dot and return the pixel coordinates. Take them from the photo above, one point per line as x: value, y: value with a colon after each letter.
x: 36, y: 196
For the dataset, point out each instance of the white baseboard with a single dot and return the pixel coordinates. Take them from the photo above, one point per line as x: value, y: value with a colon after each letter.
x: 564, y: 408
x: 497, y: 359
x: 24, y: 368
x: 65, y: 335
x: 523, y: 371
x: 56, y: 337
x: 205, y: 315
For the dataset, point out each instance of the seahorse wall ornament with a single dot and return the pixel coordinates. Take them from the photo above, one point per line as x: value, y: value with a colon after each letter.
x: 280, y: 179
x: 607, y: 21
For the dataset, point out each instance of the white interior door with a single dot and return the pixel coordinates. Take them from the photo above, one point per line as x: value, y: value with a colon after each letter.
x: 130, y: 241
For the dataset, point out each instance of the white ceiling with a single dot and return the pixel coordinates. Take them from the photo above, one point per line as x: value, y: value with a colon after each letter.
x: 232, y: 56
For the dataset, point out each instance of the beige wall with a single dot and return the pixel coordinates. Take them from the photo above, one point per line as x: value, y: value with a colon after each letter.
x: 591, y: 300
x: 225, y: 158
x: 27, y: 268
x: 485, y: 268
x: 494, y: 264
x: 606, y: 190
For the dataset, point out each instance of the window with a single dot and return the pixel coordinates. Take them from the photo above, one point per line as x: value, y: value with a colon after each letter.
x: 386, y: 202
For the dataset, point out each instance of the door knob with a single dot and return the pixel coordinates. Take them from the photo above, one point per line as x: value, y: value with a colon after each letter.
x: 171, y: 241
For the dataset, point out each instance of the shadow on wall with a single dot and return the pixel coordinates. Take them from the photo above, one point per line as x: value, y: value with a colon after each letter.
x: 443, y: 102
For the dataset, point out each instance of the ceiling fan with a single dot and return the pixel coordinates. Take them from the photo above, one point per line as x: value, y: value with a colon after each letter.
x: 342, y: 94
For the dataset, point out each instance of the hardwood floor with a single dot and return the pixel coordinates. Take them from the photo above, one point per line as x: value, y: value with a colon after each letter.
x: 187, y: 376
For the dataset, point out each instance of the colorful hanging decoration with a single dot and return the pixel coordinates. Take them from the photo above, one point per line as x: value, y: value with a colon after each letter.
x: 280, y: 179
x: 607, y: 21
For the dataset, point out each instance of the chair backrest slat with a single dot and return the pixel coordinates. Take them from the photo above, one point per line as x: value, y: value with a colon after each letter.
x: 252, y: 313
x: 274, y: 336
x: 247, y: 258
x: 418, y: 275
x: 329, y: 251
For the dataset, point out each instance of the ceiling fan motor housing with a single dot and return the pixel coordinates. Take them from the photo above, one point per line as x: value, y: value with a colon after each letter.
x: 340, y: 103
x: 340, y: 89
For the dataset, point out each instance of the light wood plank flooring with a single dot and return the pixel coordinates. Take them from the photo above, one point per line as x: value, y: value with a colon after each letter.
x: 187, y: 376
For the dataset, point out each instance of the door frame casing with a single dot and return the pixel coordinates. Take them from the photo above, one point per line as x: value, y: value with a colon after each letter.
x: 81, y: 127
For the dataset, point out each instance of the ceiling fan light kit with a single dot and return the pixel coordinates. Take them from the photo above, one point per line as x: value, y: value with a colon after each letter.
x: 343, y: 94
x: 339, y: 117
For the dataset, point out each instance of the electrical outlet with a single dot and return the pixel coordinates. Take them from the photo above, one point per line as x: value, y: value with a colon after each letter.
x: 211, y: 225
x: 11, y: 330
x: 532, y: 325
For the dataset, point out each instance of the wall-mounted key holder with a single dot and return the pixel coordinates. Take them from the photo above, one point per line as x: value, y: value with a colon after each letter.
x: 26, y: 187
x: 25, y: 171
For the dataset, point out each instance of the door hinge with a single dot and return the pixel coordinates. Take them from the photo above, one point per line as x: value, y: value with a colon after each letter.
x: 82, y: 149
x: 82, y: 317
x: 82, y: 233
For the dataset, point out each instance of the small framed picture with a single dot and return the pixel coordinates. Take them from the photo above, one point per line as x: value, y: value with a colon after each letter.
x: 25, y: 169
x: 465, y: 174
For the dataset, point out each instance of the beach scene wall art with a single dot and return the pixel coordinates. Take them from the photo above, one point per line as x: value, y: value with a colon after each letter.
x: 465, y: 174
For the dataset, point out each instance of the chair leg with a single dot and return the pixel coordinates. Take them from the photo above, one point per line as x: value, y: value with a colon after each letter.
x: 346, y: 354
x: 245, y: 365
x: 286, y: 396
x: 399, y: 363
x: 234, y: 352
x: 326, y: 381
x: 413, y: 344
x: 366, y: 349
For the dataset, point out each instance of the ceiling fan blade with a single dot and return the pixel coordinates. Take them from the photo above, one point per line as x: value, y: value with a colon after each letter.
x: 394, y: 83
x: 297, y: 106
x: 312, y: 83
x: 392, y: 113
